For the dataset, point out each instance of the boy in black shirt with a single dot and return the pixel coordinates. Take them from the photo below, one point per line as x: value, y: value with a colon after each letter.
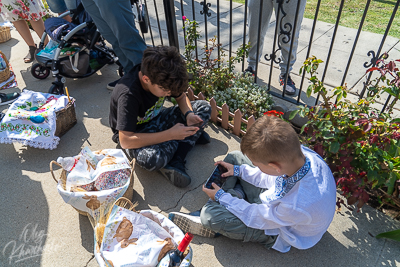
x: 158, y: 138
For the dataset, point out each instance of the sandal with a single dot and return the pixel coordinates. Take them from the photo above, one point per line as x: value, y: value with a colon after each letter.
x: 31, y: 54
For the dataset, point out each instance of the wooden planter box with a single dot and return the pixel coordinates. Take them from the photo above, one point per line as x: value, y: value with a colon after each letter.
x: 226, y: 116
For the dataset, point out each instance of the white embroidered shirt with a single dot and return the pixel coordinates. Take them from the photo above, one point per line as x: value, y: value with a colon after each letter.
x: 299, y: 209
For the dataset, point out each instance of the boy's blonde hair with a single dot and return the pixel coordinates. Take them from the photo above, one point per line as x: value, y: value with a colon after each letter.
x: 271, y: 139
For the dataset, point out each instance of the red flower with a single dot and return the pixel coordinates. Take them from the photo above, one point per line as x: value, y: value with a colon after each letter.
x: 184, y: 17
x: 273, y: 113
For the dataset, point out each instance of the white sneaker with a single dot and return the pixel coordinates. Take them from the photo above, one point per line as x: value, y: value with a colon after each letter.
x: 191, y: 224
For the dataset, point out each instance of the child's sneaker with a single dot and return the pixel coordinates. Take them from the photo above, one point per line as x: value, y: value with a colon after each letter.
x: 176, y: 173
x: 192, y: 224
x: 8, y: 98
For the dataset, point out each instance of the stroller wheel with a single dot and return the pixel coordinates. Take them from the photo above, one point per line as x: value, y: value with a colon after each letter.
x: 121, y: 71
x: 56, y: 90
x: 39, y: 72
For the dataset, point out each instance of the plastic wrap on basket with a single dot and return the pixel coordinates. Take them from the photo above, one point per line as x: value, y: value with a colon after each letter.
x: 129, y: 238
x: 116, y: 180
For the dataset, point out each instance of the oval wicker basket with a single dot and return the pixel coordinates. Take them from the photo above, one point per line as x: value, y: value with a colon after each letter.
x: 63, y: 177
x: 5, y: 34
x: 5, y: 74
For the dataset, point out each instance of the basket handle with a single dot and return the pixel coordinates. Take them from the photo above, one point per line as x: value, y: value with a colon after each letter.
x: 5, y: 58
x: 51, y: 169
x: 132, y: 163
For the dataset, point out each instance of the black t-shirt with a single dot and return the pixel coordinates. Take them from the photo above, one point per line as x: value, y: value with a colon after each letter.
x: 131, y: 105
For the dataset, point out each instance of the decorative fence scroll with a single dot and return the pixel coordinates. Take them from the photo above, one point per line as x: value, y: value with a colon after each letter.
x: 228, y: 120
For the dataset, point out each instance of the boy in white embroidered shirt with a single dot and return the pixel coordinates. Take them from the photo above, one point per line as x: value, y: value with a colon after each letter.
x: 278, y: 193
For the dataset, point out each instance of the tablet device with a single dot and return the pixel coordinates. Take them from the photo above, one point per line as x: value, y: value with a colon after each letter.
x: 216, y: 177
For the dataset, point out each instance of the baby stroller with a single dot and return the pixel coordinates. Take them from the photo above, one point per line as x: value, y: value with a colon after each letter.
x: 78, y: 50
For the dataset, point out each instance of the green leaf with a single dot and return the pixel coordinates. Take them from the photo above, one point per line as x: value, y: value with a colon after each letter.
x: 334, y: 147
x: 391, y: 183
x: 293, y: 114
x: 394, y: 235
x: 302, y: 128
x: 309, y: 90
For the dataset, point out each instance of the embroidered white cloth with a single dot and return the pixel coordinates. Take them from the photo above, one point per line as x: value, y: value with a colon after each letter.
x: 299, y: 211
x: 132, y: 239
x: 31, y: 120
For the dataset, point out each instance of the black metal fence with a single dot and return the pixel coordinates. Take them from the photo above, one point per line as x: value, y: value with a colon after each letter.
x: 346, y: 53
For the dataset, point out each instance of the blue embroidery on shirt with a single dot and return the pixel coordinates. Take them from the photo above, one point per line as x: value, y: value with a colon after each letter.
x: 283, y: 184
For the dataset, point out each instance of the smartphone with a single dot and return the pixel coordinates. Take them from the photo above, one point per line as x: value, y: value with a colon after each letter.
x: 201, y: 125
x: 216, y: 177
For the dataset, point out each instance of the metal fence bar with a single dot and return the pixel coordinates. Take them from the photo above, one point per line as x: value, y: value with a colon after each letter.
x: 183, y: 23
x: 378, y: 55
x: 291, y: 44
x: 206, y: 13
x: 331, y: 46
x: 258, y: 41
x: 355, y: 42
x: 309, y: 48
x: 244, y: 30
x: 169, y: 10
x: 218, y: 32
x: 230, y: 29
x: 148, y: 19
x: 158, y: 22
x: 195, y: 41
x: 273, y: 53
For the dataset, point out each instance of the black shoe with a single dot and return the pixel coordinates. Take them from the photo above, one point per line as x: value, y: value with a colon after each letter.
x: 31, y: 54
x: 112, y: 85
x: 8, y: 98
x: 203, y: 139
x: 175, y: 172
x: 289, y: 88
x: 251, y: 70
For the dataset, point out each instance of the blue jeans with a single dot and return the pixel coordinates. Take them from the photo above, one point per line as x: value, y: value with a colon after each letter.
x: 116, y: 23
x: 60, y: 6
x: 254, y: 30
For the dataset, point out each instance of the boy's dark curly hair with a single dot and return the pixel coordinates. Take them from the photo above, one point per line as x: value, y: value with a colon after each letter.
x: 165, y: 67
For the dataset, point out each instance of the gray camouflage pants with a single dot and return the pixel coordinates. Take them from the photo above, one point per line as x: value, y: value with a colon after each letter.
x: 155, y: 157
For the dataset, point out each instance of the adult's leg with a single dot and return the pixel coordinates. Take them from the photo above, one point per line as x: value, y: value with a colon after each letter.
x: 217, y: 218
x: 38, y: 27
x: 290, y: 9
x: 23, y: 30
x: 255, y: 30
x: 57, y: 6
x: 115, y: 21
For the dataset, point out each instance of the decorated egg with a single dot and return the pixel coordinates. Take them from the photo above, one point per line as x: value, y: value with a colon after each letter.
x: 37, y: 119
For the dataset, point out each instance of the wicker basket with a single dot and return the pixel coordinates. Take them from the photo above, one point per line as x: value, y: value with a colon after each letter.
x: 63, y: 176
x: 5, y: 34
x: 65, y: 119
x: 5, y: 74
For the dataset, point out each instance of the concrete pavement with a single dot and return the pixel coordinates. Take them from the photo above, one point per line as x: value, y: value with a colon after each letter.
x: 34, y: 218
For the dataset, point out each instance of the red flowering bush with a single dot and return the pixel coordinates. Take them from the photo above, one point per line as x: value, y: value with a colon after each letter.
x: 360, y: 143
